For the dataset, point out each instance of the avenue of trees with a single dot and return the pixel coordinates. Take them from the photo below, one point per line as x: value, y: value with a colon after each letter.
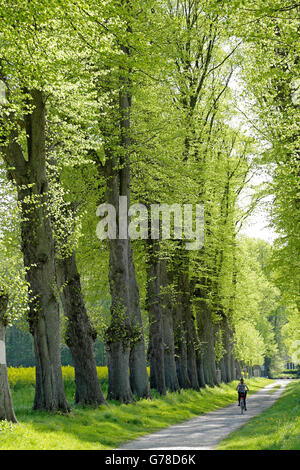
x: 163, y: 102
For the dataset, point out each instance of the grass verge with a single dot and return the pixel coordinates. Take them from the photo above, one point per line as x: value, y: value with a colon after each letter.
x: 104, y: 428
x: 277, y: 428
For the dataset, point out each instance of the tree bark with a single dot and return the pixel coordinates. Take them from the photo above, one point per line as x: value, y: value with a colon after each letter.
x: 80, y: 335
x: 38, y: 253
x: 221, y: 366
x: 6, y: 403
x: 228, y: 346
x: 137, y: 359
x: 238, y: 369
x: 206, y: 336
x: 125, y: 312
x: 200, y: 369
x: 166, y: 281
x: 139, y: 381
x: 180, y: 338
x: 119, y: 334
x: 118, y: 378
x: 125, y: 309
x: 233, y: 368
x: 156, y: 348
x: 191, y: 338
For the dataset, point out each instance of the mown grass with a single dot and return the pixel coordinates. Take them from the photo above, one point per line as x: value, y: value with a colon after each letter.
x: 277, y: 428
x: 103, y: 427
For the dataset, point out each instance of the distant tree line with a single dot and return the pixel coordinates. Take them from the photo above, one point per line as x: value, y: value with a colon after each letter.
x: 20, y: 350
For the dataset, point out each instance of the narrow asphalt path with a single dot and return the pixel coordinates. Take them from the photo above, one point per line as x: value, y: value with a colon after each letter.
x: 206, y: 431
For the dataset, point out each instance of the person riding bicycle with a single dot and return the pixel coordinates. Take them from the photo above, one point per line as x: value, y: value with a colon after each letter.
x: 242, y: 388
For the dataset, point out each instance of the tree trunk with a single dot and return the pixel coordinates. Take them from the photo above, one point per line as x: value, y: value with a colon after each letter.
x: 119, y: 334
x: 222, y: 368
x: 200, y: 369
x: 171, y: 378
x: 125, y: 310
x: 233, y: 368
x: 6, y: 403
x: 191, y: 337
x: 166, y: 281
x: 125, y: 332
x: 38, y: 253
x: 29, y: 175
x: 180, y: 339
x: 80, y: 335
x: 267, y: 365
x: 206, y: 336
x: 156, y: 349
x: 186, y: 338
x: 118, y: 377
x: 139, y: 381
x: 228, y: 346
x: 238, y: 369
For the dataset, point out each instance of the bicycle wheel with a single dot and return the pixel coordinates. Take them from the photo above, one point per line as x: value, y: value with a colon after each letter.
x: 242, y: 406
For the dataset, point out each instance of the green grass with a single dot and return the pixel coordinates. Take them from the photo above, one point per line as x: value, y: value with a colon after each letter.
x: 104, y: 427
x: 277, y: 428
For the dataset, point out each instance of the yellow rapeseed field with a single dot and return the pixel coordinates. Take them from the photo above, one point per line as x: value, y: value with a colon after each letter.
x: 26, y: 375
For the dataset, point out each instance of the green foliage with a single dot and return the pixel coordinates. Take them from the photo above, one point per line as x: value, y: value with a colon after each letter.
x: 270, y: 78
x: 260, y: 307
x: 250, y: 348
x: 12, y: 280
x: 6, y: 428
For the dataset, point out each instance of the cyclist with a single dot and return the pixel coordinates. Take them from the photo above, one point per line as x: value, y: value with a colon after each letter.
x: 242, y: 387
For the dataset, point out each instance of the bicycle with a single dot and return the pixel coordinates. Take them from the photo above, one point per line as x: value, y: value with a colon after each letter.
x: 242, y: 403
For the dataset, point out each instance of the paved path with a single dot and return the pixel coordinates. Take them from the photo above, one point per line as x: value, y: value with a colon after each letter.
x: 206, y: 431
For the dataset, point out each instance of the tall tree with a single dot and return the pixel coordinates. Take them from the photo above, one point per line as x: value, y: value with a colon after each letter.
x: 28, y: 170
x: 79, y: 332
x: 125, y: 338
